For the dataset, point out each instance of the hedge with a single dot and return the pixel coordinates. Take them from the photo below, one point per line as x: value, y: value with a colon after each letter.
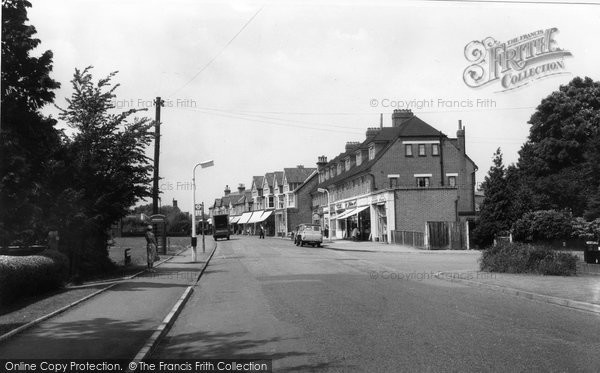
x: 22, y: 276
x: 524, y: 258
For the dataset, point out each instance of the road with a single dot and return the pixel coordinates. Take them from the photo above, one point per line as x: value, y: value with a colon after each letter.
x: 325, y: 310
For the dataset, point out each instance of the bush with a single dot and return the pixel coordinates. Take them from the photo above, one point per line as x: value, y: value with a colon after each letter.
x: 22, y: 276
x: 524, y: 258
x: 543, y: 225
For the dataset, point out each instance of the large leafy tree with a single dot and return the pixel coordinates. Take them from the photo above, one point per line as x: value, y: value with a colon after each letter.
x: 107, y: 168
x: 28, y: 140
x: 496, y: 214
x: 560, y: 162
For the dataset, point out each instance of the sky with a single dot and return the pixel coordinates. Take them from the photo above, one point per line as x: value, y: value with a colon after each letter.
x: 260, y: 86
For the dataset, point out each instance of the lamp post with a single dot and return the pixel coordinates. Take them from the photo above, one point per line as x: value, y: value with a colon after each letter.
x: 194, y: 239
x: 322, y: 190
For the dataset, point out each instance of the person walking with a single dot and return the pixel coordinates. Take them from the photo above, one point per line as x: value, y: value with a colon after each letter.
x: 261, y: 232
x: 150, y: 247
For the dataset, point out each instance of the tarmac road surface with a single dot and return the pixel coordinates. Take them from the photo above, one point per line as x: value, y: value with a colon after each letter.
x: 330, y: 309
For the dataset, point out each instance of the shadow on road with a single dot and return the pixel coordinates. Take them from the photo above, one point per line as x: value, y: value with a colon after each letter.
x: 235, y: 346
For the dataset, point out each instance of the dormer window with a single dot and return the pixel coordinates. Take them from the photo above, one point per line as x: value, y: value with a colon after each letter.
x: 371, y: 151
x: 347, y: 163
x: 339, y: 168
x: 358, y: 158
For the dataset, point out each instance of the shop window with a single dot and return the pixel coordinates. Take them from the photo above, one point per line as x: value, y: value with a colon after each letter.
x: 422, y: 150
x: 435, y: 149
x: 423, y: 182
x: 452, y: 181
x: 408, y: 150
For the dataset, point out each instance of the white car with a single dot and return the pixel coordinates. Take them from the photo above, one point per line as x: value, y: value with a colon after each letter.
x: 308, y: 234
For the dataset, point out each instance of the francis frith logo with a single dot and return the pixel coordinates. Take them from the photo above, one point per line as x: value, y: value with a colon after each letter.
x: 516, y: 62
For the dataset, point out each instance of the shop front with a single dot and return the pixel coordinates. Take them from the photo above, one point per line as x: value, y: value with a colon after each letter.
x: 367, y: 218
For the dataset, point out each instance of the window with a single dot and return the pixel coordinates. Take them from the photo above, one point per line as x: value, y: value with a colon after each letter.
x: 408, y: 150
x: 422, y: 182
x: 452, y: 181
x: 271, y: 202
x: 435, y: 149
x: 281, y: 201
x: 371, y: 152
x: 290, y: 200
x: 347, y: 163
x: 358, y: 158
x: 422, y: 150
x: 339, y: 168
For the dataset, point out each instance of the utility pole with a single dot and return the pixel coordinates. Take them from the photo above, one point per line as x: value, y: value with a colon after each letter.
x: 203, y: 244
x: 158, y: 103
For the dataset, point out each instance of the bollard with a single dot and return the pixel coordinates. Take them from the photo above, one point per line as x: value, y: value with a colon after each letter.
x: 127, y: 257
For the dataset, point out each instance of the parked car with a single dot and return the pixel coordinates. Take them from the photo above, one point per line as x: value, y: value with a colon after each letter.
x: 308, y: 234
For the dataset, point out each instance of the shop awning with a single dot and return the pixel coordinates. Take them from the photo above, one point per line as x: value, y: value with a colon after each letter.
x: 352, y: 212
x: 244, y: 218
x: 255, y: 216
x: 345, y: 214
x: 265, y: 215
x: 234, y: 219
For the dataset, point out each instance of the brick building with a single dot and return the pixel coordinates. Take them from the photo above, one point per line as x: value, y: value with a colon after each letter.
x: 401, y: 181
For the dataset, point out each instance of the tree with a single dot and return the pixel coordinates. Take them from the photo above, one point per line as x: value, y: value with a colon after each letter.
x: 108, y: 168
x: 28, y: 141
x: 560, y: 161
x: 495, y: 214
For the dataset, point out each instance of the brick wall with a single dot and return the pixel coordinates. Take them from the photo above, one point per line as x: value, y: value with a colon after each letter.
x: 415, y: 207
x: 394, y: 161
x: 303, y: 212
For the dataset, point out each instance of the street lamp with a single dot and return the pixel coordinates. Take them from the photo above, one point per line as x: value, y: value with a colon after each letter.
x: 322, y: 190
x: 202, y: 165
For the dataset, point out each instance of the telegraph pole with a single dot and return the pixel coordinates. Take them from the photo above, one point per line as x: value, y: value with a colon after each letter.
x: 158, y: 103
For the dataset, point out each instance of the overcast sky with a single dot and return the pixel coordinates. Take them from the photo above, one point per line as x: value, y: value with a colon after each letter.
x: 303, y: 77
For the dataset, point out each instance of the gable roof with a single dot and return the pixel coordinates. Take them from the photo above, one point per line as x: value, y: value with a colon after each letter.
x: 297, y: 174
x: 269, y: 178
x: 413, y: 127
x: 257, y: 181
x: 278, y: 178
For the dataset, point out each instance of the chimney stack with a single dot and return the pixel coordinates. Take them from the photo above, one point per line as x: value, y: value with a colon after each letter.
x: 400, y: 116
x: 351, y: 144
x: 381, y: 120
x: 241, y: 188
x: 321, y: 162
x: 372, y: 132
x: 174, y: 203
x: 300, y: 166
x: 460, y: 135
x: 227, y: 190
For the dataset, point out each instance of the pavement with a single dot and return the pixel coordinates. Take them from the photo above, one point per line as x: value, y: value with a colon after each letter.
x: 584, y: 287
x: 114, y: 324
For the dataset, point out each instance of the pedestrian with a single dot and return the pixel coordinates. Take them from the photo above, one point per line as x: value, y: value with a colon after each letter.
x: 261, y: 232
x: 355, y: 234
x: 150, y: 248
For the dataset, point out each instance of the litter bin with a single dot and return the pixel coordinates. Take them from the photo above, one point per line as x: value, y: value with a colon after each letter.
x: 591, y: 254
x: 127, y: 257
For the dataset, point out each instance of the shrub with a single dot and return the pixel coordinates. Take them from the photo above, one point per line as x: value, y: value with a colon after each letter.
x: 22, y: 276
x: 543, y: 225
x: 524, y: 258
